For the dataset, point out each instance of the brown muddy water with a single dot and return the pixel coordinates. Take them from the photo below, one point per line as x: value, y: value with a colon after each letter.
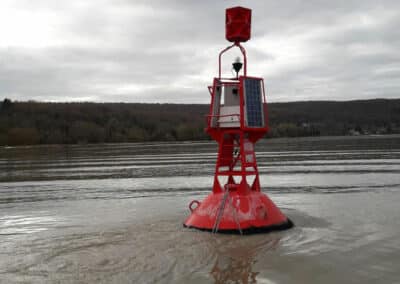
x: 114, y: 213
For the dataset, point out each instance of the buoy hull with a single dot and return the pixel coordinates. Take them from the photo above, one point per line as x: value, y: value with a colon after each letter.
x: 248, y: 213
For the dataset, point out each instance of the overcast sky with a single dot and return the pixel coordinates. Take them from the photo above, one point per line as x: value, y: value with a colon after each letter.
x: 167, y: 51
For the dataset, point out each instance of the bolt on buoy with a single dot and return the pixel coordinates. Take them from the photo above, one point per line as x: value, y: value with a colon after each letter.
x: 237, y: 120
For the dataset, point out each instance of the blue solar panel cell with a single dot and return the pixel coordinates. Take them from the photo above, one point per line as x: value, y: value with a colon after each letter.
x: 253, y: 101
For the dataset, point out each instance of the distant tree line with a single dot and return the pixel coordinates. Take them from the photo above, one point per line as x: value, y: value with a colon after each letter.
x: 27, y: 123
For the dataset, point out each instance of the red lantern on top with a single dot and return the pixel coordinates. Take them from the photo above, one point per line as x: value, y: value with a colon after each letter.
x: 237, y: 24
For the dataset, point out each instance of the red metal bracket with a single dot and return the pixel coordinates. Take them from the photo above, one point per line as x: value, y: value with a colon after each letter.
x: 242, y: 49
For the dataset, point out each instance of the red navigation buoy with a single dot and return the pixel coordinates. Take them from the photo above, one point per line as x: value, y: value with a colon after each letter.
x: 237, y: 120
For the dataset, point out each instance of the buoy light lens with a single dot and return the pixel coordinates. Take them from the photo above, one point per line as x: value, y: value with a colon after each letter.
x: 237, y: 65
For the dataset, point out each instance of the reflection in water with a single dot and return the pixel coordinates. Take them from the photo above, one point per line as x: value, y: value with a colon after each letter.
x: 235, y: 260
x: 23, y: 224
x: 231, y: 270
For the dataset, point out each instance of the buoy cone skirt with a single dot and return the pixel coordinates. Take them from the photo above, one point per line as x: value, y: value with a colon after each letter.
x: 231, y: 212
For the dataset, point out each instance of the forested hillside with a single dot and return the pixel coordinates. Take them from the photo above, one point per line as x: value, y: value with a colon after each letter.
x: 23, y: 123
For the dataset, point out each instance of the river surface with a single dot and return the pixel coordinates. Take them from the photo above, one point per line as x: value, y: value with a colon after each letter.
x: 113, y: 214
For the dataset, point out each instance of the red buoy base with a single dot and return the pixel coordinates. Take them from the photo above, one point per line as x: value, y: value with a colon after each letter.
x: 231, y: 212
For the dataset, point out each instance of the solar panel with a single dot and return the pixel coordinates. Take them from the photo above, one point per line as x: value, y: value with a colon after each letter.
x: 253, y: 101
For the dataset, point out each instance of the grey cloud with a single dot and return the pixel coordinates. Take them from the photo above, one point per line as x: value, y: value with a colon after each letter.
x: 166, y: 51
